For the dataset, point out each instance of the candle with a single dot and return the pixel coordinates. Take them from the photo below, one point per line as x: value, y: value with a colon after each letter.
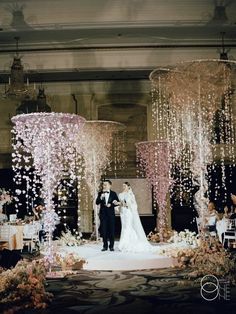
x: 27, y: 81
x: 9, y: 81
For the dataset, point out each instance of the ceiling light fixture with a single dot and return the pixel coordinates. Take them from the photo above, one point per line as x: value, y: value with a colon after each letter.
x: 16, y: 82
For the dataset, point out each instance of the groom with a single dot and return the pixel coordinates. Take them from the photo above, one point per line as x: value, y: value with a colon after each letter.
x: 107, y: 200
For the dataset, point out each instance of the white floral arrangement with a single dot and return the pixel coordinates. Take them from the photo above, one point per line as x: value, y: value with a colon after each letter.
x: 176, y: 251
x: 186, y: 237
x: 69, y: 259
x: 69, y: 239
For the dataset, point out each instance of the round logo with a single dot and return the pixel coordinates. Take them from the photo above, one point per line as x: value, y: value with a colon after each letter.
x: 209, y: 287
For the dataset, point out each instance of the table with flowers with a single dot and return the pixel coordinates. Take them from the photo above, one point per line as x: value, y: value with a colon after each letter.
x: 17, y: 232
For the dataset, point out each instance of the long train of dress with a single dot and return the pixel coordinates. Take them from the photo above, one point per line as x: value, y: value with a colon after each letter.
x: 133, y: 238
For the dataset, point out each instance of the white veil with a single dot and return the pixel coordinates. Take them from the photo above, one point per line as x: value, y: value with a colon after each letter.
x: 133, y: 237
x: 136, y: 223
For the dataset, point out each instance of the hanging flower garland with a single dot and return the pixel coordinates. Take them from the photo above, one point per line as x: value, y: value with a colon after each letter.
x: 153, y: 160
x: 49, y: 142
x: 185, y: 99
x: 101, y: 144
x: 97, y: 140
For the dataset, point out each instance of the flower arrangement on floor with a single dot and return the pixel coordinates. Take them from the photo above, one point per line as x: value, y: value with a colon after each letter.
x: 69, y: 261
x: 182, y: 254
x: 154, y: 236
x: 23, y: 287
x: 69, y: 239
x: 5, y: 197
x: 209, y: 258
x: 186, y: 237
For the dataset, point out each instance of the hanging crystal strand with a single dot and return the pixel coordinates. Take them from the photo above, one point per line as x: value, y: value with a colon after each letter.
x: 165, y: 114
x: 116, y: 152
x: 227, y: 143
x: 153, y: 152
x: 16, y: 162
x: 123, y: 156
x: 78, y: 186
x: 160, y: 128
x: 222, y: 152
x: 200, y: 201
x: 35, y: 188
x: 177, y: 147
x: 233, y: 120
x: 227, y: 129
x: 156, y: 107
x: 171, y: 139
x: 209, y: 133
x: 232, y: 141
x: 215, y: 157
x: 170, y: 135
x: 181, y: 163
x: 27, y: 194
x: 189, y: 126
x: 229, y: 133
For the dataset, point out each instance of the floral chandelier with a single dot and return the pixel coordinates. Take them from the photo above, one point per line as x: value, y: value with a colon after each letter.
x: 153, y: 161
x: 185, y: 100
x: 102, y: 145
x: 48, y: 142
x: 58, y: 145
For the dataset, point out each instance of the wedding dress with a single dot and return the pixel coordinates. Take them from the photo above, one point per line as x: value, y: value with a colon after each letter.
x: 133, y: 237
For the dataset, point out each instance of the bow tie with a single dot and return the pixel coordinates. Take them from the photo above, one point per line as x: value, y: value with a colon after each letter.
x: 106, y: 192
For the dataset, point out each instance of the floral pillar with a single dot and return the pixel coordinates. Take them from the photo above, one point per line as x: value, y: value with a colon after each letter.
x: 153, y: 159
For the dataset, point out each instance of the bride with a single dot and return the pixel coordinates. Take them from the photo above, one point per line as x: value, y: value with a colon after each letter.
x: 133, y: 237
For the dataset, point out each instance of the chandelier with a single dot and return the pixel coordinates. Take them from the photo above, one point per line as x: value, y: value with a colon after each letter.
x: 16, y: 85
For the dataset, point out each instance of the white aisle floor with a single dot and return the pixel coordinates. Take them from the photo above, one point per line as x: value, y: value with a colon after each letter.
x: 98, y: 260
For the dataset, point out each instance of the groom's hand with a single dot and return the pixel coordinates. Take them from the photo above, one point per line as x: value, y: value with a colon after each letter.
x: 115, y: 203
x: 108, y: 205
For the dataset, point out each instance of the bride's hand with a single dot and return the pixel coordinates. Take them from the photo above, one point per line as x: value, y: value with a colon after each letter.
x: 124, y: 204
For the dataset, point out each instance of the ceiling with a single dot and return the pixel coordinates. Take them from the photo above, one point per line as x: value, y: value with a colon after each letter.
x: 104, y: 39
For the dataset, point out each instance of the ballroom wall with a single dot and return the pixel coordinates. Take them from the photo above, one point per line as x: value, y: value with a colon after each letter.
x: 94, y: 57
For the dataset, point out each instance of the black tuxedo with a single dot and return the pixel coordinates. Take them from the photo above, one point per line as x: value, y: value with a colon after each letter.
x: 107, y: 218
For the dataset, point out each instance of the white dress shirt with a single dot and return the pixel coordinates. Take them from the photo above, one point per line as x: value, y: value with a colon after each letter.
x: 107, y: 197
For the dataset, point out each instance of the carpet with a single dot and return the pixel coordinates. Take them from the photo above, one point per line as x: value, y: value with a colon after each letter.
x: 150, y: 291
